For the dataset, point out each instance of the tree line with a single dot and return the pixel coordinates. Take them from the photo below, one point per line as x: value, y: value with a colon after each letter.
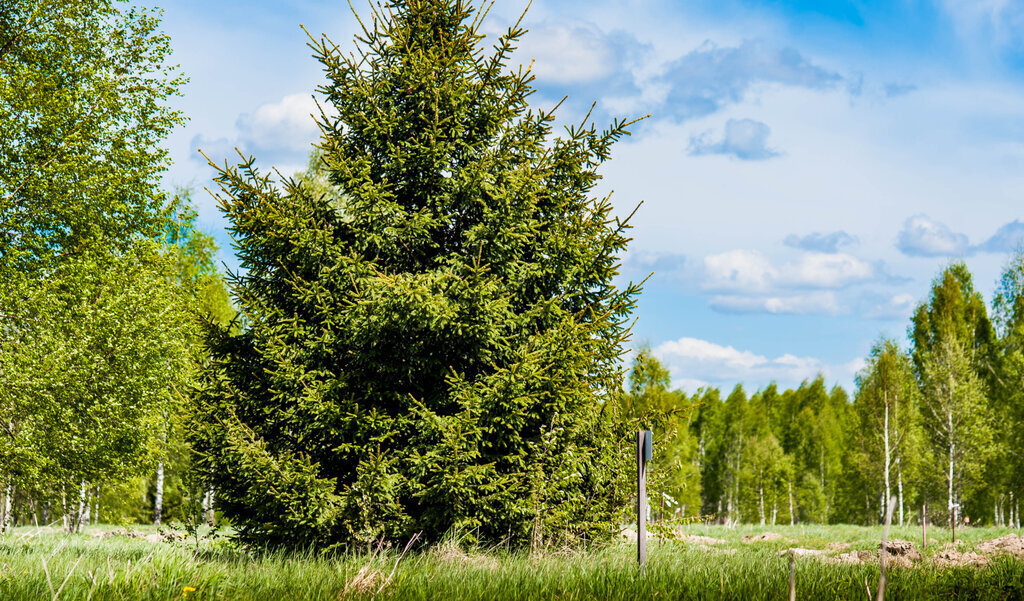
x: 106, y: 283
x: 935, y: 424
x: 426, y: 335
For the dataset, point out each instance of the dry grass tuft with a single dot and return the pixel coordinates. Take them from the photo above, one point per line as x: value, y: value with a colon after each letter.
x: 366, y: 581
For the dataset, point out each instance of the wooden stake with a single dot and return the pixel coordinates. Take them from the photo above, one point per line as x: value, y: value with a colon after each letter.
x: 792, y: 576
x: 883, y: 554
x: 641, y: 500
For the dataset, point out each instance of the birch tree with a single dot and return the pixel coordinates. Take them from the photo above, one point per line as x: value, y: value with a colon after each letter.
x: 887, y: 410
x: 957, y: 418
x: 1008, y: 394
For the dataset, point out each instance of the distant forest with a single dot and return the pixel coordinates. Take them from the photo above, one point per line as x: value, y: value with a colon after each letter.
x: 938, y: 423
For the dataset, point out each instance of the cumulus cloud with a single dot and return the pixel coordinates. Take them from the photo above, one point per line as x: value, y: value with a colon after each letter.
x: 1006, y: 239
x: 695, y: 361
x: 576, y: 52
x: 749, y: 271
x: 896, y: 307
x: 279, y: 134
x: 744, y: 139
x: 922, y: 236
x: 740, y: 270
x: 711, y: 77
x: 283, y: 125
x: 823, y: 243
x: 801, y: 304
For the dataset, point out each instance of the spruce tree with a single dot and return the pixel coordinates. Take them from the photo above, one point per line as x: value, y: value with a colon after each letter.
x: 435, y: 344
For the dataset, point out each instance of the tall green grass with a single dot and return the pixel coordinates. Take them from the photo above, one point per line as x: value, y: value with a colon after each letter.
x: 120, y: 568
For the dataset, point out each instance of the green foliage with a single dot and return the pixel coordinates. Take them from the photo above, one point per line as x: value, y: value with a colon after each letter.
x: 955, y: 355
x: 433, y: 341
x: 98, y: 268
x: 96, y: 354
x: 674, y: 476
x: 889, y: 439
x: 83, y: 92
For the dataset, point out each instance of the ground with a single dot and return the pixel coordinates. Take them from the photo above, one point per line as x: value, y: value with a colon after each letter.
x: 689, y: 562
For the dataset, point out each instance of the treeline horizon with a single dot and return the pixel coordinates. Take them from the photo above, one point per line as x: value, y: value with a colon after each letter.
x: 937, y: 423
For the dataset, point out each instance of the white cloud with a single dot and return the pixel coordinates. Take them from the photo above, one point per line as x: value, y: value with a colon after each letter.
x: 1006, y: 239
x: 569, y: 54
x: 741, y: 270
x: 692, y: 360
x: 284, y: 125
x: 827, y: 270
x: 750, y: 271
x: 710, y: 77
x: 922, y: 236
x: 897, y: 307
x: 744, y: 139
x: 801, y: 304
x: 816, y: 241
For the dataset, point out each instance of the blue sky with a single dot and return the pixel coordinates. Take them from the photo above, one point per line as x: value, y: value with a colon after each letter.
x: 808, y: 167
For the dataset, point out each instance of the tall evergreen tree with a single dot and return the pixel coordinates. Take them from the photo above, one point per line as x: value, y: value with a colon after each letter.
x: 436, y: 345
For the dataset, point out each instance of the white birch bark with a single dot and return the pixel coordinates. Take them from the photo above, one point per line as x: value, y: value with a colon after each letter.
x: 952, y: 448
x: 211, y: 516
x: 760, y: 504
x: 792, y: 520
x: 888, y: 451
x: 158, y: 501
x: 81, y: 513
x: 899, y: 486
x: 8, y: 513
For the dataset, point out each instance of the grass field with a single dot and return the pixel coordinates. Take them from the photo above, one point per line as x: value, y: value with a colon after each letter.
x: 48, y: 565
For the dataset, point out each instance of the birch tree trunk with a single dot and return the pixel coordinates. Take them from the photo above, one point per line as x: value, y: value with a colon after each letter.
x: 899, y: 485
x: 83, y: 509
x: 211, y: 516
x: 952, y: 448
x: 791, y: 517
x: 888, y: 451
x: 760, y: 503
x: 158, y: 502
x: 5, y: 519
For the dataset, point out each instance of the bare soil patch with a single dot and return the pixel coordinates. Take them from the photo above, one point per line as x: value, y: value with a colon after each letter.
x: 1012, y: 544
x: 764, y: 537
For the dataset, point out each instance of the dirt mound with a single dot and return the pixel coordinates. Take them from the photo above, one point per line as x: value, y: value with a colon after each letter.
x: 902, y: 548
x: 798, y: 552
x: 835, y: 546
x: 763, y: 537
x: 1011, y: 543
x: 852, y: 558
x: 952, y: 558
